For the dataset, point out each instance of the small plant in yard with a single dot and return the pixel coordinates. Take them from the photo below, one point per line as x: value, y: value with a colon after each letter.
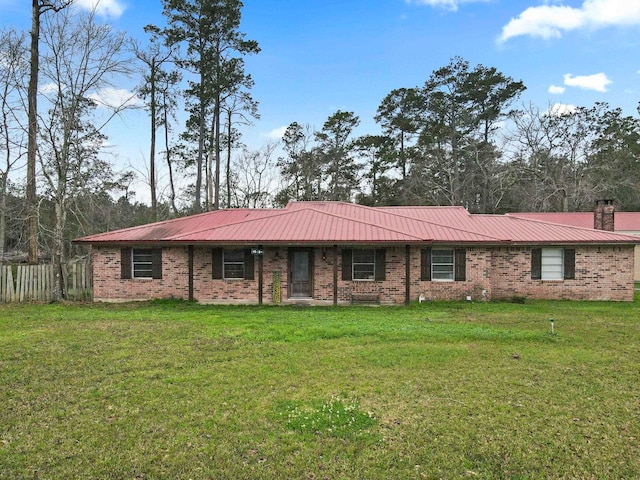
x: 338, y: 416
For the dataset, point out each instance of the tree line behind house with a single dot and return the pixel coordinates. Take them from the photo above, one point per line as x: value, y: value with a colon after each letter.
x: 463, y: 137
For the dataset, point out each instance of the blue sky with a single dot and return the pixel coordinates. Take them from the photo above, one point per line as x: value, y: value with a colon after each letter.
x: 320, y: 56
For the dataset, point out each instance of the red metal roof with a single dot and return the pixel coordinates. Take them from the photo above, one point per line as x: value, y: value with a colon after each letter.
x: 623, y: 221
x: 338, y: 222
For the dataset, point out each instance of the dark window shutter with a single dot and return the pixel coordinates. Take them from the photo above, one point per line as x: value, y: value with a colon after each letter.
x: 347, y: 257
x: 425, y: 264
x: 381, y: 264
x: 248, y: 265
x: 460, y: 264
x: 156, y: 263
x: 536, y: 263
x: 569, y: 264
x: 216, y: 263
x: 125, y: 263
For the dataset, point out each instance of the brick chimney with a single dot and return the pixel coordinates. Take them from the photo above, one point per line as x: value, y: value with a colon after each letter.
x: 603, y: 215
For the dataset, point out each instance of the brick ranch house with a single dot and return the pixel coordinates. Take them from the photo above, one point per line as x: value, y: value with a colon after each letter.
x: 338, y: 253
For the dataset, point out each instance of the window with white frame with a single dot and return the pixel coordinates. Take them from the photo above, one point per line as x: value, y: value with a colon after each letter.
x: 442, y: 264
x: 364, y: 264
x: 552, y: 264
x: 233, y: 263
x: 142, y: 262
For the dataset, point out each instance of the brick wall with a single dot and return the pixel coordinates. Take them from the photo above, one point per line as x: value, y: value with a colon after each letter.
x: 602, y: 273
x: 477, y: 284
x: 391, y: 290
x: 109, y: 286
x: 208, y: 290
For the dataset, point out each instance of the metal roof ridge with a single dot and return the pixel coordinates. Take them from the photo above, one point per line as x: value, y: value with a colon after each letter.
x: 295, y: 212
x: 304, y: 203
x: 525, y: 216
x: 277, y: 212
x: 170, y: 220
x: 563, y: 225
x: 361, y: 221
x: 433, y: 223
x: 407, y: 207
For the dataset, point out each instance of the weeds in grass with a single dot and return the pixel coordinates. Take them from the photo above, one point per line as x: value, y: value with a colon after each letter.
x: 339, y: 416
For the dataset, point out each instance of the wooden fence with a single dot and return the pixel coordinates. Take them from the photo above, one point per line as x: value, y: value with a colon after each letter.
x: 25, y: 283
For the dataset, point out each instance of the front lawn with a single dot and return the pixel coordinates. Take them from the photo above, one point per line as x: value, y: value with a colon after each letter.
x: 447, y: 390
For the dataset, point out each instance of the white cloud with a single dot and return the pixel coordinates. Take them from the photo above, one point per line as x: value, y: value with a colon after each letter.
x: 446, y: 4
x: 597, y: 82
x: 115, y: 98
x: 277, y: 133
x: 560, y: 109
x: 549, y: 21
x: 107, y: 8
x: 48, y: 88
x: 556, y: 90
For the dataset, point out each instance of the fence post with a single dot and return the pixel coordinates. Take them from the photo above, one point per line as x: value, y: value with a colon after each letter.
x: 3, y: 281
x: 11, y: 287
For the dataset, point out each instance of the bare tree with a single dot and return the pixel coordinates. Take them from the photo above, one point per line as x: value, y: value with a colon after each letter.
x: 15, y: 66
x: 38, y: 9
x: 551, y: 151
x: 254, y: 177
x: 167, y: 88
x: 82, y: 58
x: 244, y: 108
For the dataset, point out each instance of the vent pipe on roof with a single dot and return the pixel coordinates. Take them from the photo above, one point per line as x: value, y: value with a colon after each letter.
x: 603, y: 215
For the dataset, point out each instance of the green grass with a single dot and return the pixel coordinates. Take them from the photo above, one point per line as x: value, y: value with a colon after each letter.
x: 446, y: 390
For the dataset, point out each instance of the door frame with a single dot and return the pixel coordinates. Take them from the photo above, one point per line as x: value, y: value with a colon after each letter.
x: 311, y: 252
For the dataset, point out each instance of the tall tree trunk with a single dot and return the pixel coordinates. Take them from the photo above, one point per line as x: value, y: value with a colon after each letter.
x: 210, y: 158
x: 374, y: 188
x: 60, y: 210
x: 228, y: 167
x: 32, y: 98
x: 216, y: 114
x: 58, y: 247
x: 152, y: 150
x: 197, y: 207
x: 172, y: 188
x: 3, y: 214
x: 403, y: 159
x: 455, y: 168
x: 4, y: 178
